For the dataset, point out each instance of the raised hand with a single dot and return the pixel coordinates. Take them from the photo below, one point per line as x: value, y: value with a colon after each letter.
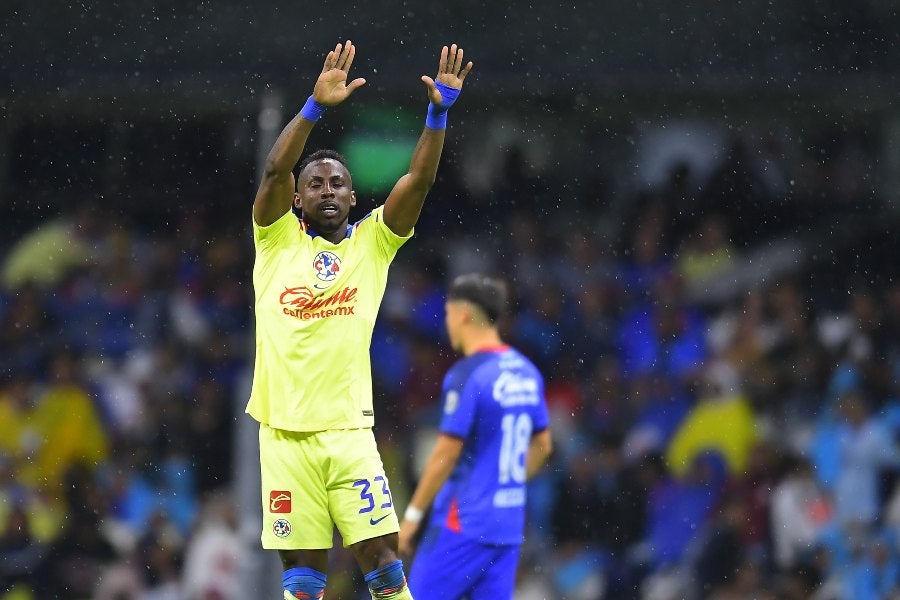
x: 331, y: 87
x: 451, y: 73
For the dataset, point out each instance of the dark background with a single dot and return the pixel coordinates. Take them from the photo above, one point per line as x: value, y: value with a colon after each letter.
x: 96, y: 92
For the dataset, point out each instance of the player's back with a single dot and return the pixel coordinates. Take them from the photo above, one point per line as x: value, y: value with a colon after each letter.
x: 494, y: 401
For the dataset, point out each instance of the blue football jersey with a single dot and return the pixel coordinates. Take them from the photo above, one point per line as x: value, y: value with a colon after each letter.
x: 494, y: 401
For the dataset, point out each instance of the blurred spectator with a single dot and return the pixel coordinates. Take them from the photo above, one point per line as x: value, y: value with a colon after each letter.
x: 723, y: 421
x: 800, y: 511
x: 647, y: 260
x: 876, y: 574
x: 77, y: 557
x: 657, y: 409
x: 583, y: 509
x: 761, y: 475
x: 706, y: 254
x: 544, y: 323
x: 865, y: 450
x: 49, y: 252
x: 63, y: 429
x: 720, y: 555
x: 679, y: 509
x: 663, y: 333
x: 213, y: 553
x: 26, y: 329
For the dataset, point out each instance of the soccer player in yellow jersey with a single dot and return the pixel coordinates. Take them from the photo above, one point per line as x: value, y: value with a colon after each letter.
x: 318, y: 286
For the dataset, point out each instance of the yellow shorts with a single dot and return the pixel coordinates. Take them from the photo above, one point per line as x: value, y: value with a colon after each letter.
x: 312, y: 482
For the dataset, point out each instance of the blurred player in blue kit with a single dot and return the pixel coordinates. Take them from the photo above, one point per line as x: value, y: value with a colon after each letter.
x: 494, y: 436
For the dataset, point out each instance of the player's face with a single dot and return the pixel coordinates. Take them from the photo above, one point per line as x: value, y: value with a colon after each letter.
x: 325, y: 194
x: 453, y: 318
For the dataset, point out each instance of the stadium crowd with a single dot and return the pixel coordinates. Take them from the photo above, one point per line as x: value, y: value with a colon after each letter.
x: 726, y: 409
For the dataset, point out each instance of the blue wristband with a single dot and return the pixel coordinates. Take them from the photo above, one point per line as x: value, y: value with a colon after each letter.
x: 448, y: 94
x: 312, y: 110
x: 437, y: 113
x: 436, y: 117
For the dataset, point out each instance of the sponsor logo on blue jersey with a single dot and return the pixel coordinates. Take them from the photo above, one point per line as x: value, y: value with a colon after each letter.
x: 515, y: 389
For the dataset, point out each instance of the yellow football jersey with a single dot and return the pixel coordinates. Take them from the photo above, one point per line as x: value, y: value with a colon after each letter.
x: 316, y: 304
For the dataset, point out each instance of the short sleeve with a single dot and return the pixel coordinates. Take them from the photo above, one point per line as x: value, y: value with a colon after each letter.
x: 458, y: 406
x: 272, y: 235
x: 386, y: 240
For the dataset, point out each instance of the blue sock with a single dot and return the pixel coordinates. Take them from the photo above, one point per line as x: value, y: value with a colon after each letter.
x: 301, y: 582
x: 386, y: 581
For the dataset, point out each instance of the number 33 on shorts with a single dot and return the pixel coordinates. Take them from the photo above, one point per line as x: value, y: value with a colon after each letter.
x: 375, y: 499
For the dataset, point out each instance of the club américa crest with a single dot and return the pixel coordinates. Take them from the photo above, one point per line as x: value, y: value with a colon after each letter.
x: 327, y: 265
x: 281, y: 528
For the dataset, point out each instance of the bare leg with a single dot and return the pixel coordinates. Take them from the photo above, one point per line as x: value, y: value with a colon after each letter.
x: 311, y: 559
x: 377, y: 552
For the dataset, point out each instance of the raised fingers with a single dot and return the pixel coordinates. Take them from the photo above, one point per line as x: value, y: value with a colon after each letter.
x: 331, y: 58
x: 346, y: 56
x: 442, y: 65
x: 465, y: 71
x: 456, y: 56
x: 452, y: 61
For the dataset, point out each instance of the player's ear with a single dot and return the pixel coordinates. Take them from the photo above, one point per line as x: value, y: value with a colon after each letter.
x: 468, y: 313
x: 298, y: 204
x: 352, y: 198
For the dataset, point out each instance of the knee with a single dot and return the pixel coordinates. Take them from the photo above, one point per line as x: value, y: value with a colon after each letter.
x: 376, y: 552
x: 302, y: 582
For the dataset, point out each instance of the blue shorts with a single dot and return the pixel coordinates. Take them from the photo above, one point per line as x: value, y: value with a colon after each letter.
x: 450, y: 566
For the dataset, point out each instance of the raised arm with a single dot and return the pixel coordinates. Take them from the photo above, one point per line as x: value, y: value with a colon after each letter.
x: 403, y: 205
x: 440, y: 464
x: 276, y: 190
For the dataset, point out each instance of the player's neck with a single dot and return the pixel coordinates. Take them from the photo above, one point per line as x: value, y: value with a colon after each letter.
x: 335, y: 236
x: 481, y: 339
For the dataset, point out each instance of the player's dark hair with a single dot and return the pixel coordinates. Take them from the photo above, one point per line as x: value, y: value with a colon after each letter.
x: 321, y: 154
x: 487, y: 293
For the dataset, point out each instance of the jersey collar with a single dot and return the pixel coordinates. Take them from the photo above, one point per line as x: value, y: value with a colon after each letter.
x: 311, y: 233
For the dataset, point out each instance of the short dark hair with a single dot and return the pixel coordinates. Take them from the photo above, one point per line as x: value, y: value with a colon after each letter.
x: 321, y: 154
x: 487, y: 293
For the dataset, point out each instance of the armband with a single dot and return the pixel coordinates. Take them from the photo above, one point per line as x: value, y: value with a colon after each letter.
x: 312, y: 110
x: 413, y: 514
x: 437, y: 113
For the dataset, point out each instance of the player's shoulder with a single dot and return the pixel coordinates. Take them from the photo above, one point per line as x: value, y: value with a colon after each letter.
x: 284, y: 230
x: 484, y: 366
x: 512, y: 358
x: 373, y: 218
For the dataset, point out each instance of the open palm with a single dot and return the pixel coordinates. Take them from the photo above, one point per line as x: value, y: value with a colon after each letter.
x: 451, y: 72
x: 331, y: 87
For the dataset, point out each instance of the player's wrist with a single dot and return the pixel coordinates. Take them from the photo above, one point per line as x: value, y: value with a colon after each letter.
x: 413, y: 514
x: 436, y: 117
x: 437, y: 113
x: 312, y: 110
x: 448, y: 94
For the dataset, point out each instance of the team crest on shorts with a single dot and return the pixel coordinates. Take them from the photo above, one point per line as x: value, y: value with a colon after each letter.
x: 281, y: 528
x: 327, y: 265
